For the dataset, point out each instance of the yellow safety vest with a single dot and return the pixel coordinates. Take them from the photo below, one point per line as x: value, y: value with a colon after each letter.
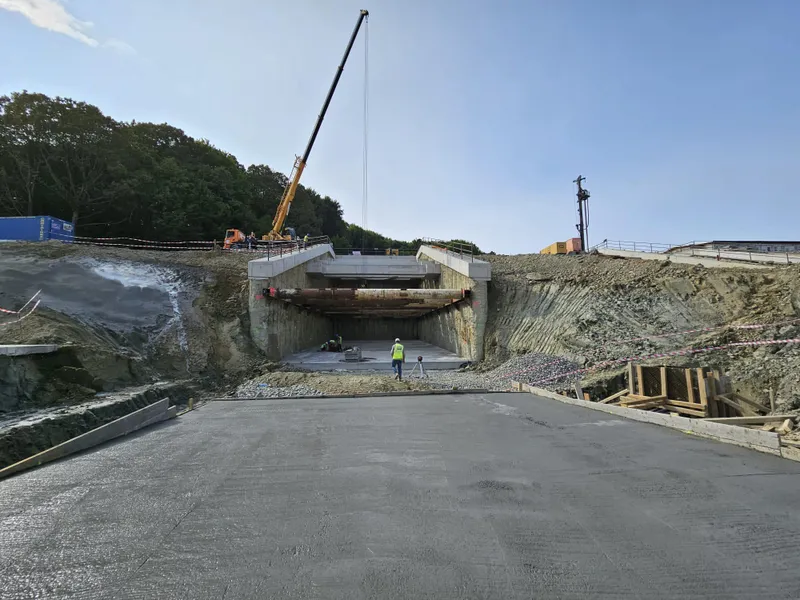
x: 397, y: 352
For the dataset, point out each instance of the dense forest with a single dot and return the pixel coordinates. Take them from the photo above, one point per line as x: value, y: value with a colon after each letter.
x: 67, y: 159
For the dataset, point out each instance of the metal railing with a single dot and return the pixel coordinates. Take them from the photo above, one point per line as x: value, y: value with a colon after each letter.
x: 697, y: 249
x: 460, y: 249
x: 373, y: 252
x: 633, y: 246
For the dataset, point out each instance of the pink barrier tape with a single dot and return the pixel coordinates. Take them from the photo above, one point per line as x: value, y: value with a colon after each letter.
x: 24, y: 306
x: 661, y: 335
x: 684, y: 352
x: 25, y: 316
x: 702, y: 329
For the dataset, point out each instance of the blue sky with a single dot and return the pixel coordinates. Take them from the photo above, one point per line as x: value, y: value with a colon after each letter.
x: 684, y: 115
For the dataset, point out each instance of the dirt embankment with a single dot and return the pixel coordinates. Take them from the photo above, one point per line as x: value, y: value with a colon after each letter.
x: 124, y: 318
x: 583, y: 306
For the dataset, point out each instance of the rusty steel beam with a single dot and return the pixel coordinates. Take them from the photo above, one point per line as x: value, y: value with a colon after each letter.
x: 366, y: 302
x: 368, y: 295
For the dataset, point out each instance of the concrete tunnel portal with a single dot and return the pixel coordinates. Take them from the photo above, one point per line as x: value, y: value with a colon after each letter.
x: 435, y: 302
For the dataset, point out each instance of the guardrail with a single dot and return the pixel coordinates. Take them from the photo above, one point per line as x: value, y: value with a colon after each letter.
x: 373, y: 252
x: 463, y: 251
x: 692, y: 249
x: 633, y: 246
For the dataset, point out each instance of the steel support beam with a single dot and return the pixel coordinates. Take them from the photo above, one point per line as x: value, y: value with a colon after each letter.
x: 369, y: 301
x: 367, y: 294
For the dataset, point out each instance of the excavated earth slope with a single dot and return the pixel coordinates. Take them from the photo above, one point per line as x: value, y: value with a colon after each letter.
x: 584, y: 307
x: 124, y: 318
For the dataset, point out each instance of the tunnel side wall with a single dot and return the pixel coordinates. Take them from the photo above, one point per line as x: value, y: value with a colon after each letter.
x: 459, y: 328
x: 279, y: 328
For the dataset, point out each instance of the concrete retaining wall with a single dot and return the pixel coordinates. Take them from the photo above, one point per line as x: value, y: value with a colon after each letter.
x: 279, y: 328
x: 763, y: 441
x: 459, y: 328
x: 376, y: 329
x: 150, y: 415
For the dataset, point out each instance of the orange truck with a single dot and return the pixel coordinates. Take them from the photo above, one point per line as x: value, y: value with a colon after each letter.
x: 234, y: 238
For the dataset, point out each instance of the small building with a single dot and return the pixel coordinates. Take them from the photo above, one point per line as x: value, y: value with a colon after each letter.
x: 741, y: 246
x: 35, y: 229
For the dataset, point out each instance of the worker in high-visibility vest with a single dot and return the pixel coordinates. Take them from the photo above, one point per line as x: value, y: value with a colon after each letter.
x: 398, y: 358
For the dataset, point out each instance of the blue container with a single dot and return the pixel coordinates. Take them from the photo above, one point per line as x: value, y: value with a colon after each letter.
x: 35, y: 229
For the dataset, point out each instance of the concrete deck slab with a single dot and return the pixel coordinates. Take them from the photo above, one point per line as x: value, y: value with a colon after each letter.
x: 272, y: 266
x: 26, y: 349
x: 375, y: 267
x: 492, y: 496
x: 376, y: 355
x: 471, y: 267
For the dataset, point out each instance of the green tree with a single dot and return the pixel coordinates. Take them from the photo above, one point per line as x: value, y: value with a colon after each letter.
x: 146, y: 180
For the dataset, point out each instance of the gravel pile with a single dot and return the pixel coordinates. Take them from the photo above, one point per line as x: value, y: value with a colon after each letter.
x: 254, y: 389
x: 527, y: 368
x: 532, y: 368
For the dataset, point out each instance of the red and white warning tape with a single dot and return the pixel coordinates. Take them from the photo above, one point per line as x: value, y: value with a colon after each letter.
x: 141, y: 246
x: 683, y: 352
x: 132, y: 239
x: 22, y: 317
x: 24, y: 306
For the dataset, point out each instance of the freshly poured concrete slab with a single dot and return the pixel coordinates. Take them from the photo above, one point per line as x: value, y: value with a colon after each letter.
x: 376, y: 355
x: 25, y: 349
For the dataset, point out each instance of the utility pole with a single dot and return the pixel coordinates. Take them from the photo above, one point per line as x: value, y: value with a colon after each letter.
x: 583, y: 213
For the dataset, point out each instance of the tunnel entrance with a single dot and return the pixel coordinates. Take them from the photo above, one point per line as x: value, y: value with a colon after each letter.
x: 370, y: 319
x: 434, y: 302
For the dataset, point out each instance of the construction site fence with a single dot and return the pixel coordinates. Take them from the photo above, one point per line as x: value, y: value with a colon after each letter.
x: 261, y: 247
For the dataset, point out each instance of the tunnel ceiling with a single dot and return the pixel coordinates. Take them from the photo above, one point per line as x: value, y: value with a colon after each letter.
x: 369, y: 302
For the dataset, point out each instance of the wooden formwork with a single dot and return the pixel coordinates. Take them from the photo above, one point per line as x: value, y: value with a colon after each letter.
x: 699, y: 392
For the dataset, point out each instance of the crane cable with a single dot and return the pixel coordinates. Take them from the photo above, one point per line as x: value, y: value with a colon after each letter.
x: 364, y: 179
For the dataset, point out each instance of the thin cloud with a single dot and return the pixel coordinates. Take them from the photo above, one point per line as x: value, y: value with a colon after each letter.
x: 118, y: 45
x: 53, y: 16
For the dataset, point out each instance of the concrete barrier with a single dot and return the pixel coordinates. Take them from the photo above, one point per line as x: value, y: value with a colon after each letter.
x: 149, y: 415
x: 763, y: 441
x: 26, y: 349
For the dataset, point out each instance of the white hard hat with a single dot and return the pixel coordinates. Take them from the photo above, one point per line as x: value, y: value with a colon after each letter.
x: 397, y: 340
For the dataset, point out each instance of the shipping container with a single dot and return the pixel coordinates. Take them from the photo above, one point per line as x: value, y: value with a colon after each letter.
x: 35, y: 229
x: 555, y: 248
x: 574, y: 246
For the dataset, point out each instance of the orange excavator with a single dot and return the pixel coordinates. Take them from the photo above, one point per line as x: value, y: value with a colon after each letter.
x: 277, y: 232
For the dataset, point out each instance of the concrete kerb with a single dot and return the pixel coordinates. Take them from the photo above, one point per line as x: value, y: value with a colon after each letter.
x: 762, y: 441
x: 144, y: 417
x: 367, y: 395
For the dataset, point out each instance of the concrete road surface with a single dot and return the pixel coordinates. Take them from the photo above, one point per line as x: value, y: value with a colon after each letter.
x: 473, y: 496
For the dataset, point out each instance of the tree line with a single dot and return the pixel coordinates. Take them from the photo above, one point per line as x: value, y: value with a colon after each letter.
x: 67, y: 159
